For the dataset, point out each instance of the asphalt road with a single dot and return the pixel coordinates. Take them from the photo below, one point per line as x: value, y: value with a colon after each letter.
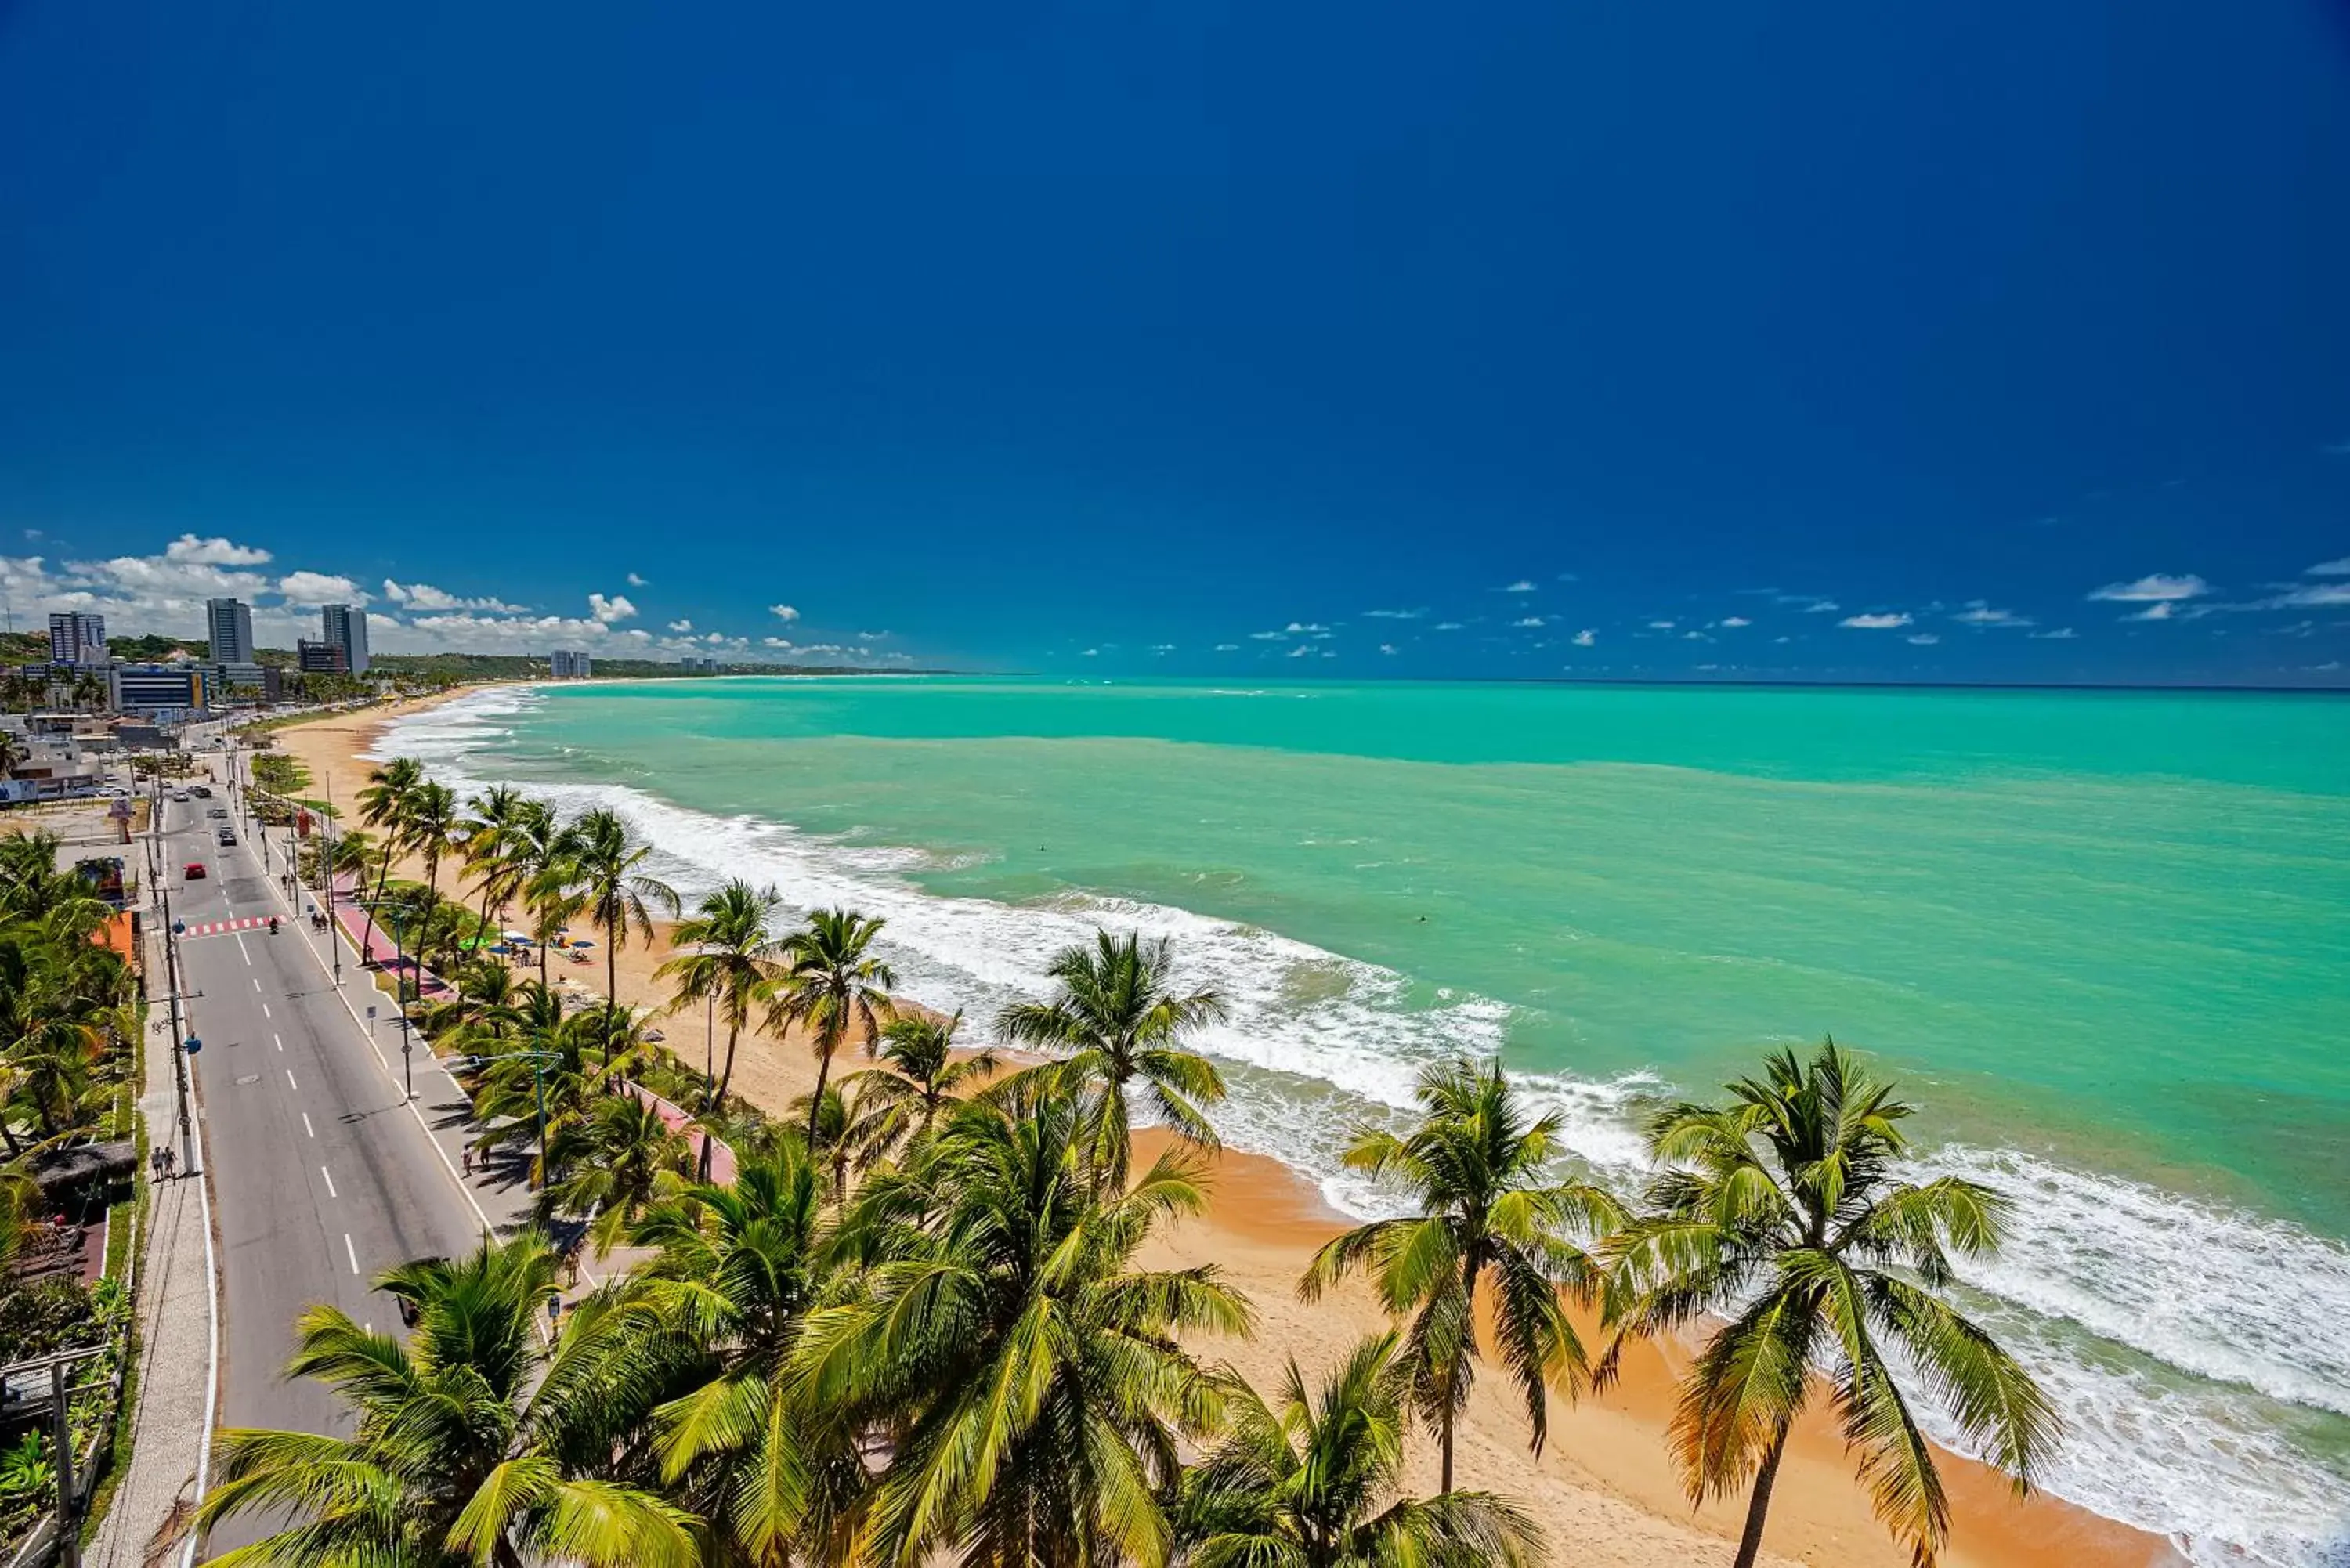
x: 321, y: 1174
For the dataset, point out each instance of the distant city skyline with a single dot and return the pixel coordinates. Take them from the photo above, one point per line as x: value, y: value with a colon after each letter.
x: 1853, y: 344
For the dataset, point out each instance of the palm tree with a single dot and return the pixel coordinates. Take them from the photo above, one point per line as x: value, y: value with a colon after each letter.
x: 725, y: 954
x: 1784, y: 1212
x: 605, y: 862
x: 590, y: 1049
x: 893, y: 1107
x: 1117, y: 1023
x: 1309, y: 1485
x: 832, y: 986
x: 433, y: 827
x: 470, y: 1447
x: 738, y: 1270
x: 531, y: 868
x: 621, y: 1158
x: 383, y: 806
x: 496, y: 811
x: 1035, y: 1381
x: 1490, y: 1216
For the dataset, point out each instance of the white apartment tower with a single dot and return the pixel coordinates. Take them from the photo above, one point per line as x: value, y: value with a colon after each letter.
x: 346, y: 628
x: 229, y: 624
x: 77, y: 638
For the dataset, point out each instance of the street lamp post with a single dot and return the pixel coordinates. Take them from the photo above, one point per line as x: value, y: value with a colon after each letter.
x: 179, y: 1041
x: 537, y: 1060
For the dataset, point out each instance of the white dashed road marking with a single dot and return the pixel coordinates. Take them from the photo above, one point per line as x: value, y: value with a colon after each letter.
x: 350, y: 1252
x: 306, y: 1126
x: 329, y: 1181
x: 290, y: 1083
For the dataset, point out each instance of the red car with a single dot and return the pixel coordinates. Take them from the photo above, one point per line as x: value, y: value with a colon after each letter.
x: 193, y: 871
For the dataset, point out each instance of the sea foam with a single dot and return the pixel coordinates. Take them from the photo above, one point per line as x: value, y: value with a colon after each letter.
x: 2193, y: 1349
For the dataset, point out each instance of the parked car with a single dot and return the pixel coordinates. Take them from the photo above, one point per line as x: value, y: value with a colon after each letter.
x: 193, y: 871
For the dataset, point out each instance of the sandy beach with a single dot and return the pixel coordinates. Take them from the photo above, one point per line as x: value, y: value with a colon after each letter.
x: 1603, y: 1489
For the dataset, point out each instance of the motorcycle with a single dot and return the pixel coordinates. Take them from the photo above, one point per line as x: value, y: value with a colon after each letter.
x: 273, y: 925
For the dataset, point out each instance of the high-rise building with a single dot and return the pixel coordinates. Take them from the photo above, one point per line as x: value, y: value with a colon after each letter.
x: 229, y: 623
x: 345, y: 628
x: 76, y: 638
x: 566, y: 664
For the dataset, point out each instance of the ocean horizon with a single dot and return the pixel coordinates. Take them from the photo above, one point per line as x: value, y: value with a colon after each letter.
x: 2095, y: 934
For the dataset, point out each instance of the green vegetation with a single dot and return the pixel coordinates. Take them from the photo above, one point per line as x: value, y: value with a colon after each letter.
x: 918, y: 1324
x: 69, y: 1024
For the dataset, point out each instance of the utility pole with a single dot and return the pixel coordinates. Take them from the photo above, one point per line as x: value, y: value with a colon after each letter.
x: 179, y: 1041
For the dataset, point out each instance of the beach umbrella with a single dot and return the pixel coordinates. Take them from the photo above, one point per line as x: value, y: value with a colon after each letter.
x: 515, y: 936
x: 583, y: 942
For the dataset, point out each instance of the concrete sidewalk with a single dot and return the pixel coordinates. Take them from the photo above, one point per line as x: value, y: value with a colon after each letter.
x: 155, y: 1501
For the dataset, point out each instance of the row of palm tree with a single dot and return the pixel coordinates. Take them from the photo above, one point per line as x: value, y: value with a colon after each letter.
x: 67, y: 1013
x: 914, y: 1323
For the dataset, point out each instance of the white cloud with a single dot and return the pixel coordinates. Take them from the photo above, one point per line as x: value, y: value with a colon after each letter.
x: 1660, y: 626
x: 1884, y: 622
x: 1822, y: 607
x: 1228, y: 648
x: 2061, y: 634
x: 776, y: 641
x: 1306, y: 629
x: 872, y: 636
x: 2309, y: 594
x: 2161, y: 609
x: 680, y: 626
x: 1735, y: 620
x: 1302, y: 651
x: 637, y: 582
x: 1163, y: 648
x: 1585, y: 638
x: 1521, y: 586
x: 1267, y: 636
x: 611, y: 611
x: 315, y: 589
x: 187, y: 550
x: 1925, y: 639
x: 784, y: 613
x: 2155, y: 587
x: 1695, y: 635
x: 1980, y: 613
x: 425, y: 596
x: 1394, y: 615
x: 1446, y: 626
x: 2335, y: 568
x: 1529, y: 621
x: 1387, y: 648
x: 1091, y: 653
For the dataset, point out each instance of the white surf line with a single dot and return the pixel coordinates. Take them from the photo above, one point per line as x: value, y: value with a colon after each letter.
x: 290, y: 1083
x: 248, y: 957
x: 328, y: 1179
x: 350, y: 1252
x: 307, y: 1127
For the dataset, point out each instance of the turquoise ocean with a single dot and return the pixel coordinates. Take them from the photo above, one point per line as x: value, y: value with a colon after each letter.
x: 2102, y: 937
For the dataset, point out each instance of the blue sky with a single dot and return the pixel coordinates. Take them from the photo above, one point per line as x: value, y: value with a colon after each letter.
x: 1097, y: 337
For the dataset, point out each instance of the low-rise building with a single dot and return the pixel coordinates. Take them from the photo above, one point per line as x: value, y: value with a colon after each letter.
x: 165, y: 691
x: 320, y: 658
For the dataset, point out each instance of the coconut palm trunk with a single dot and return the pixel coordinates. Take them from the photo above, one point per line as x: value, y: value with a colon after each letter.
x: 1757, y: 1505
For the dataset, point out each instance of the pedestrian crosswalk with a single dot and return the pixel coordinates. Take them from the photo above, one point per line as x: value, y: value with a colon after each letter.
x: 223, y: 927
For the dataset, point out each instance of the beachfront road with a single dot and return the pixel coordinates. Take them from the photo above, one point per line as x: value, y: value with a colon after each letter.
x: 321, y: 1174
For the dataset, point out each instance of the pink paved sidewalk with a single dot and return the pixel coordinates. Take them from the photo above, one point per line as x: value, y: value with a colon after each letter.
x: 721, y: 1158
x: 375, y: 947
